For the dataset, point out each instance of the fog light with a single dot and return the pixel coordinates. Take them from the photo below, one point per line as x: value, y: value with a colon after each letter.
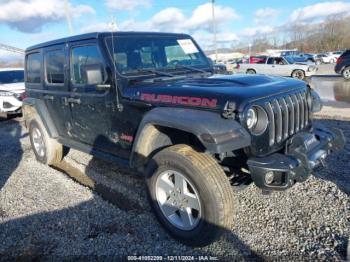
x: 269, y: 176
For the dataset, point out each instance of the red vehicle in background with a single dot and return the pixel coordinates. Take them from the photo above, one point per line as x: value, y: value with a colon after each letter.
x: 261, y: 59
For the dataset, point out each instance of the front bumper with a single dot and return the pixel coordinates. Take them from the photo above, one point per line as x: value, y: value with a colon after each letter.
x: 303, y: 152
x: 9, y: 104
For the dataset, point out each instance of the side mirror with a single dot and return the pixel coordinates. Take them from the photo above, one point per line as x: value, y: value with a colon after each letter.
x: 93, y: 74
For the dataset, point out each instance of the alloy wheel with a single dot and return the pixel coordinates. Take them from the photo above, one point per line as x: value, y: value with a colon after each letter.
x: 298, y: 74
x: 346, y: 73
x: 38, y: 142
x: 178, y: 200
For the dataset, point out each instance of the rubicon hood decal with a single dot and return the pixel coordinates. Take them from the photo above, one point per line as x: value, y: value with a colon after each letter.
x: 180, y: 100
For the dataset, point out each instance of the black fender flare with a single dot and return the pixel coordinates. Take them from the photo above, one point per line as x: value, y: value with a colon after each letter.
x: 217, y: 134
x: 40, y: 110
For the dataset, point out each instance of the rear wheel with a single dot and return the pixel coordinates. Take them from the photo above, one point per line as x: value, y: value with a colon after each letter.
x: 346, y: 73
x: 47, y: 150
x: 299, y: 74
x: 190, y: 194
x: 251, y: 71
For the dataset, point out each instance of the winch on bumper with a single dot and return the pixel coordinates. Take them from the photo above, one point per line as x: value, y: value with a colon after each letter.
x: 303, y: 152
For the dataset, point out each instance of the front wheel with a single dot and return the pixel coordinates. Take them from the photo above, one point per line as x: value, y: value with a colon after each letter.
x: 346, y: 73
x: 298, y: 74
x: 190, y: 194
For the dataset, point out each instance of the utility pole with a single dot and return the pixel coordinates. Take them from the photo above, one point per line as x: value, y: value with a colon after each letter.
x: 68, y: 17
x: 214, y: 29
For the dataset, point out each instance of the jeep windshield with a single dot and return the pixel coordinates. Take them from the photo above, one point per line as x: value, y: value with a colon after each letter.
x: 11, y: 77
x: 157, y: 56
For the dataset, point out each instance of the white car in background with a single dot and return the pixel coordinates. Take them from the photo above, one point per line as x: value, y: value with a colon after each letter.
x: 331, y: 57
x: 279, y: 66
x: 11, y: 90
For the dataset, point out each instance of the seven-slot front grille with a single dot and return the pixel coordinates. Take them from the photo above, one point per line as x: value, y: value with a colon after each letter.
x: 287, y: 115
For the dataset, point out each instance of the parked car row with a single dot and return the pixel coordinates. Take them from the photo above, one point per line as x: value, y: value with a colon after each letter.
x: 322, y: 58
x: 11, y: 90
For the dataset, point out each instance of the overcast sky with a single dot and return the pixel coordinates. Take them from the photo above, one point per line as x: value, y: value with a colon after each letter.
x: 27, y: 22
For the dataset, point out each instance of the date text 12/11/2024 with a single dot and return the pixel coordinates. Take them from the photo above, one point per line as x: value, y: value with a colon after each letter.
x: 172, y: 258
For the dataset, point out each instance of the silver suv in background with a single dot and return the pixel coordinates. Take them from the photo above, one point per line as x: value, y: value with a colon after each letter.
x: 11, y: 90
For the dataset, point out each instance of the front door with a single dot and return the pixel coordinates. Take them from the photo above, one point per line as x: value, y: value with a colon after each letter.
x: 91, y: 103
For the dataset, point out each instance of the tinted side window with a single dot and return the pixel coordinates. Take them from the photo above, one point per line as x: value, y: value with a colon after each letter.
x: 85, y: 60
x: 271, y: 61
x: 55, y: 67
x: 33, y: 67
x: 346, y: 53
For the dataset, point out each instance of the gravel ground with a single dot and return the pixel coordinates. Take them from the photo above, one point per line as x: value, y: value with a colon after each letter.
x: 46, y: 214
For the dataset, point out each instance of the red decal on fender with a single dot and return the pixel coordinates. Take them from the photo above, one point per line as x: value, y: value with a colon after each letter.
x: 127, y: 138
x: 180, y: 100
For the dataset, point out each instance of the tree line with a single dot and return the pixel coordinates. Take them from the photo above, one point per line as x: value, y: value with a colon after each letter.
x: 332, y: 34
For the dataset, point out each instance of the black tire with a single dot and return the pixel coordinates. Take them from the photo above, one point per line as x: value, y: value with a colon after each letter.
x: 9, y: 116
x: 213, y: 187
x: 346, y: 73
x: 298, y: 74
x: 251, y: 71
x: 53, y: 151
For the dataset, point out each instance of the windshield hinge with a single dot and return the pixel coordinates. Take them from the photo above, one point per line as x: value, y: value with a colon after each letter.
x: 229, y: 110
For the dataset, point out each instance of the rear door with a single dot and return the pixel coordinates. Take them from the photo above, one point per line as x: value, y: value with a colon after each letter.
x: 56, y: 88
x: 90, y: 104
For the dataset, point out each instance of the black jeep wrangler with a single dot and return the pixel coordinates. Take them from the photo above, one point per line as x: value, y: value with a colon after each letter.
x: 150, y: 101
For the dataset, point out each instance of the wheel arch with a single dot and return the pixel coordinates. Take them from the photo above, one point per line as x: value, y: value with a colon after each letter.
x: 207, y: 131
x: 33, y: 108
x: 250, y: 69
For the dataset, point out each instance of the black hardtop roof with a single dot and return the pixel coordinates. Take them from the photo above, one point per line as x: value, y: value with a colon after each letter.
x: 96, y: 35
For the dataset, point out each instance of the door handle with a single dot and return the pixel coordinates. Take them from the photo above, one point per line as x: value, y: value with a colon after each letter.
x: 67, y: 100
x: 74, y: 100
x: 48, y: 97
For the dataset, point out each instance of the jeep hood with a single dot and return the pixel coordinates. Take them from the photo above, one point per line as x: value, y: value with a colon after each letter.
x: 240, y: 89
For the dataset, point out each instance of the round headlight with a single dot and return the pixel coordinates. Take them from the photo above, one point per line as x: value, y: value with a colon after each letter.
x: 256, y: 120
x: 252, y: 118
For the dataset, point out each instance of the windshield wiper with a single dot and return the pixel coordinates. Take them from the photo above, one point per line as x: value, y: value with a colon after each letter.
x: 191, y: 68
x: 156, y: 72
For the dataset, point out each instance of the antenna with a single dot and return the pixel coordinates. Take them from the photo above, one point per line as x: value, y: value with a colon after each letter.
x: 114, y: 28
x: 214, y: 29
